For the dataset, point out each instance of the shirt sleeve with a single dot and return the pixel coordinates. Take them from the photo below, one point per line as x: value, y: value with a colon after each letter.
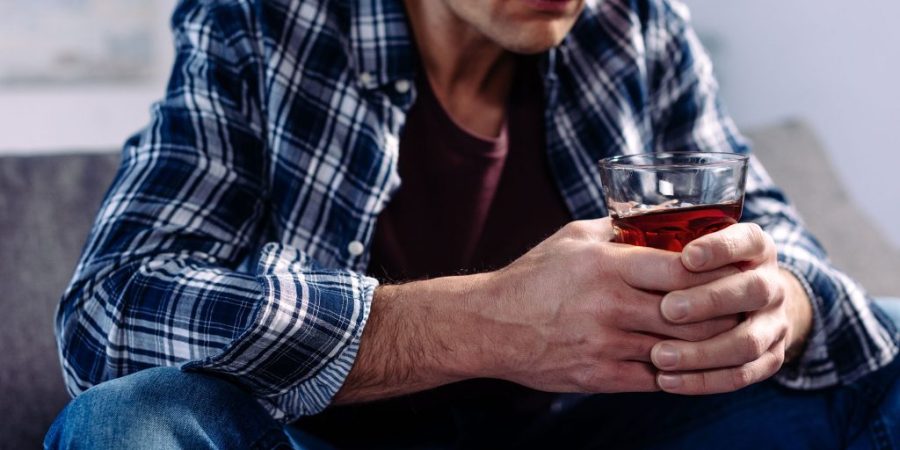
x: 175, y: 271
x: 850, y: 337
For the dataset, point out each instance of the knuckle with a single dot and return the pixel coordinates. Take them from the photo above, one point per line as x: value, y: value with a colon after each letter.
x: 601, y: 344
x: 762, y: 242
x: 782, y: 330
x: 603, y: 377
x: 730, y: 248
x: 761, y: 290
x: 716, y: 300
x: 741, y: 377
x: 776, y: 362
x: 614, y: 306
x: 625, y: 264
x: 585, y: 263
x: 585, y: 380
x: 776, y: 293
x: 756, y: 235
x: 588, y: 254
x: 754, y: 346
x: 575, y: 228
x: 722, y: 248
x: 771, y: 248
x: 600, y: 311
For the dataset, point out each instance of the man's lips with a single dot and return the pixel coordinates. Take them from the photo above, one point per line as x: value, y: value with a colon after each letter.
x: 550, y: 5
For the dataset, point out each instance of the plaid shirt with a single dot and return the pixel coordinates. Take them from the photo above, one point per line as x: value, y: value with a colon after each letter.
x: 233, y: 239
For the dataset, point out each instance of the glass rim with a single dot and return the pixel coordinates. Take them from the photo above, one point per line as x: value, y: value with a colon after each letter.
x: 719, y: 159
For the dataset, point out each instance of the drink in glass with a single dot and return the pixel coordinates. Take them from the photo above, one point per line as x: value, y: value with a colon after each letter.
x: 665, y: 200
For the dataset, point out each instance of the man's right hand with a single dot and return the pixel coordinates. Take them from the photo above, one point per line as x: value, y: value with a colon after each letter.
x: 578, y: 313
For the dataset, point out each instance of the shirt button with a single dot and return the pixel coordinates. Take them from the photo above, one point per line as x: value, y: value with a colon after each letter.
x: 366, y: 79
x: 402, y: 86
x: 355, y: 248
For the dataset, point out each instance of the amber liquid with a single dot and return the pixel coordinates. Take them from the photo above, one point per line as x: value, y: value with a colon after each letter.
x: 671, y: 229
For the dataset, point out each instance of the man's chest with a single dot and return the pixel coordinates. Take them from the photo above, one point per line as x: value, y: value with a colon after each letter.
x: 334, y: 154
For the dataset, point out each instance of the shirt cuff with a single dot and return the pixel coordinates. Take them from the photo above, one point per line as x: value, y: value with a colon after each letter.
x: 848, y: 339
x: 813, y: 369
x: 304, y: 338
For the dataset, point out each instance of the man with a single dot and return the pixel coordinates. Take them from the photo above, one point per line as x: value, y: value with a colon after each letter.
x: 242, y: 236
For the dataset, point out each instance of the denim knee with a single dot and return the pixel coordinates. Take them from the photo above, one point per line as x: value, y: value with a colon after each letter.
x: 165, y: 408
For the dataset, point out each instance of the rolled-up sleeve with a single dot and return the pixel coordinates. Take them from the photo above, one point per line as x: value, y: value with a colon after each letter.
x: 175, y: 272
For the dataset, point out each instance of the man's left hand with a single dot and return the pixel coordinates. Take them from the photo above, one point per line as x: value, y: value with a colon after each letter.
x: 778, y: 315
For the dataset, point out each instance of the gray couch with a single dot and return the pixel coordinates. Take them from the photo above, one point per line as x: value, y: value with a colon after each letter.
x: 48, y: 202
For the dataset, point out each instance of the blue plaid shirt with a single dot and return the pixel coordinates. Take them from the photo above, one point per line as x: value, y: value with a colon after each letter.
x: 233, y: 239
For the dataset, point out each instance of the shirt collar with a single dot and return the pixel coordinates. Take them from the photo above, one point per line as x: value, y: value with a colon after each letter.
x: 385, y: 52
x: 382, y: 43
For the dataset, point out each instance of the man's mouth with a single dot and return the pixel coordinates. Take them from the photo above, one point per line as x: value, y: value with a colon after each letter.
x: 557, y: 6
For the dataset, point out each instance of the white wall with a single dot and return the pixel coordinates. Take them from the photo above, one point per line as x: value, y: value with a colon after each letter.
x: 83, y: 118
x: 834, y: 63
x: 42, y: 118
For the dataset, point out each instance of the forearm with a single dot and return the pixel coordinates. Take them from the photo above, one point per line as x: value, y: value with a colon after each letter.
x: 419, y: 336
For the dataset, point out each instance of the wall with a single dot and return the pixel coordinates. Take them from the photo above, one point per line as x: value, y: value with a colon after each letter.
x: 834, y: 63
x: 77, y: 113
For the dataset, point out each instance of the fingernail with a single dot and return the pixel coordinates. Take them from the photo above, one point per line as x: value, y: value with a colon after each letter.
x: 696, y: 256
x: 669, y: 381
x: 675, y: 307
x: 666, y: 356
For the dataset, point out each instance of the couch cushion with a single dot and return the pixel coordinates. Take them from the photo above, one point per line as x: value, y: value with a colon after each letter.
x: 798, y: 163
x: 47, y: 204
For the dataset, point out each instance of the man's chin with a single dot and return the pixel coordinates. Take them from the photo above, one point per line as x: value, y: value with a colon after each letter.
x: 533, y: 44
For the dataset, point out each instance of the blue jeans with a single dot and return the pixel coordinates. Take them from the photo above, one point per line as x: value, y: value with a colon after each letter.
x: 165, y: 408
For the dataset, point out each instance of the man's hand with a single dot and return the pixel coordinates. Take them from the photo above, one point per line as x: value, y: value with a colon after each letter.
x: 578, y: 313
x: 777, y: 315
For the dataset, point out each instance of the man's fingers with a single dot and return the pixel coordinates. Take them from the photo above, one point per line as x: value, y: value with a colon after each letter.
x: 700, y: 331
x: 742, y: 242
x: 660, y: 270
x: 627, y: 376
x: 641, y: 313
x: 745, y: 343
x: 630, y: 347
x: 743, y: 292
x: 722, y: 380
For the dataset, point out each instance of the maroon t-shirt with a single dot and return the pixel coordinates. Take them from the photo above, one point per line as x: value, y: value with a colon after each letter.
x: 468, y: 203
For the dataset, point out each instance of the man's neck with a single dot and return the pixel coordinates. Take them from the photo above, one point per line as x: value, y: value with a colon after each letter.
x: 470, y: 74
